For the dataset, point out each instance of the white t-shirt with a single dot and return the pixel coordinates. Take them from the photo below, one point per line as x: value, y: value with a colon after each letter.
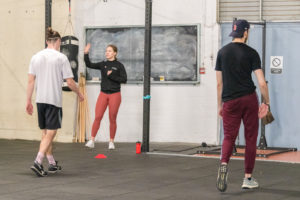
x: 50, y: 68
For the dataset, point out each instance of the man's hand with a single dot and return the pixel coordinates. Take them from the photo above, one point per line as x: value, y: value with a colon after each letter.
x: 72, y: 85
x: 220, y: 111
x: 109, y: 72
x: 263, y: 110
x: 29, y: 108
x: 30, y: 88
x: 80, y: 97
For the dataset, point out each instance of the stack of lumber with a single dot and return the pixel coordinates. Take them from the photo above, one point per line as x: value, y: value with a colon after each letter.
x: 82, y: 122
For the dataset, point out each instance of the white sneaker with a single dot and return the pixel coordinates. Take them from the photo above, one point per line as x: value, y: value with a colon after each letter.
x: 250, y: 184
x: 111, y: 145
x: 90, y: 144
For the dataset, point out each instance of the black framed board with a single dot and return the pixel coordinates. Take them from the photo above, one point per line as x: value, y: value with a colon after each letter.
x: 174, y: 52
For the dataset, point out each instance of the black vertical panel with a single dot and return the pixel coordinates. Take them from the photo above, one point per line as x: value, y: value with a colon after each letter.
x: 147, y: 73
x: 48, y: 15
x: 262, y: 140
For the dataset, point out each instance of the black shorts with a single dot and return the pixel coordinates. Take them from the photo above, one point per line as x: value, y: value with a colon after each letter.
x: 49, y: 116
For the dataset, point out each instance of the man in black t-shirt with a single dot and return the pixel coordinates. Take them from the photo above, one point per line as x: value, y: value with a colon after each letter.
x: 237, y: 100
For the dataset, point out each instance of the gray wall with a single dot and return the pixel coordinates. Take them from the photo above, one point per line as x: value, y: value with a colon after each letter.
x: 283, y: 39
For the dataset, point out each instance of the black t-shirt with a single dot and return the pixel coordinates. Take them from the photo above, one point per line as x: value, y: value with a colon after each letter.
x: 109, y: 84
x: 237, y: 61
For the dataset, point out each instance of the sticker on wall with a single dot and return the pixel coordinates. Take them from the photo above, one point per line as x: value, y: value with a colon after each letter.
x: 276, y: 64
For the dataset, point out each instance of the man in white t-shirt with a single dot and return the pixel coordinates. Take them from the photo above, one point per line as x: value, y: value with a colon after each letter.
x: 48, y: 68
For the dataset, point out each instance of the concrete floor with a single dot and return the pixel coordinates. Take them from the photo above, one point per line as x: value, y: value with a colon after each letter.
x: 127, y: 176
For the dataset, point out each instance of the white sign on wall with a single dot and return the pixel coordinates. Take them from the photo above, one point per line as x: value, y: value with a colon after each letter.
x: 276, y: 64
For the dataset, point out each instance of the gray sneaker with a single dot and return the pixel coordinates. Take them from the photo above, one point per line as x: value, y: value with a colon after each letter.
x: 222, y: 178
x: 250, y: 184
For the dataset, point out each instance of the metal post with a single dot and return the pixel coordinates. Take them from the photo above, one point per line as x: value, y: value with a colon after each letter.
x: 147, y: 74
x: 263, y: 141
x: 48, y: 16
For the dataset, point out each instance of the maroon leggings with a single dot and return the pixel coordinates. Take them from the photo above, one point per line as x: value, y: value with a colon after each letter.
x: 243, y: 108
x: 113, y: 101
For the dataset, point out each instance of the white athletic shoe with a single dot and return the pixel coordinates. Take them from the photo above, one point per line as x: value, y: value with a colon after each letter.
x: 111, y: 146
x: 90, y: 144
x: 250, y: 184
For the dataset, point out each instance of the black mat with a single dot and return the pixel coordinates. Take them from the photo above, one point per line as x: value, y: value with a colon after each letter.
x: 127, y: 176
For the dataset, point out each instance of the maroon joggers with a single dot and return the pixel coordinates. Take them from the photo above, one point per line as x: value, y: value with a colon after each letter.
x: 243, y: 108
x: 113, y: 101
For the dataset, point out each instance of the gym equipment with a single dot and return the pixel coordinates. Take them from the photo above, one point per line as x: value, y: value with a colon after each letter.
x: 69, y: 47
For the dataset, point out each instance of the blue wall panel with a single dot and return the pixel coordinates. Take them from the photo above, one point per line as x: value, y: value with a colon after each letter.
x: 283, y: 39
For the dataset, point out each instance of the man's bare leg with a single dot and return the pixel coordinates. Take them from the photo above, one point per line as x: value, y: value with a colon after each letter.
x: 46, y: 142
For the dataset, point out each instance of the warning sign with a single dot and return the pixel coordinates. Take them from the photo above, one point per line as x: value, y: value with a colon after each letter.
x: 276, y: 64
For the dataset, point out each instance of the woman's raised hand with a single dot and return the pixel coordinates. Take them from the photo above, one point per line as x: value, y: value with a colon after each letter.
x: 87, y: 48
